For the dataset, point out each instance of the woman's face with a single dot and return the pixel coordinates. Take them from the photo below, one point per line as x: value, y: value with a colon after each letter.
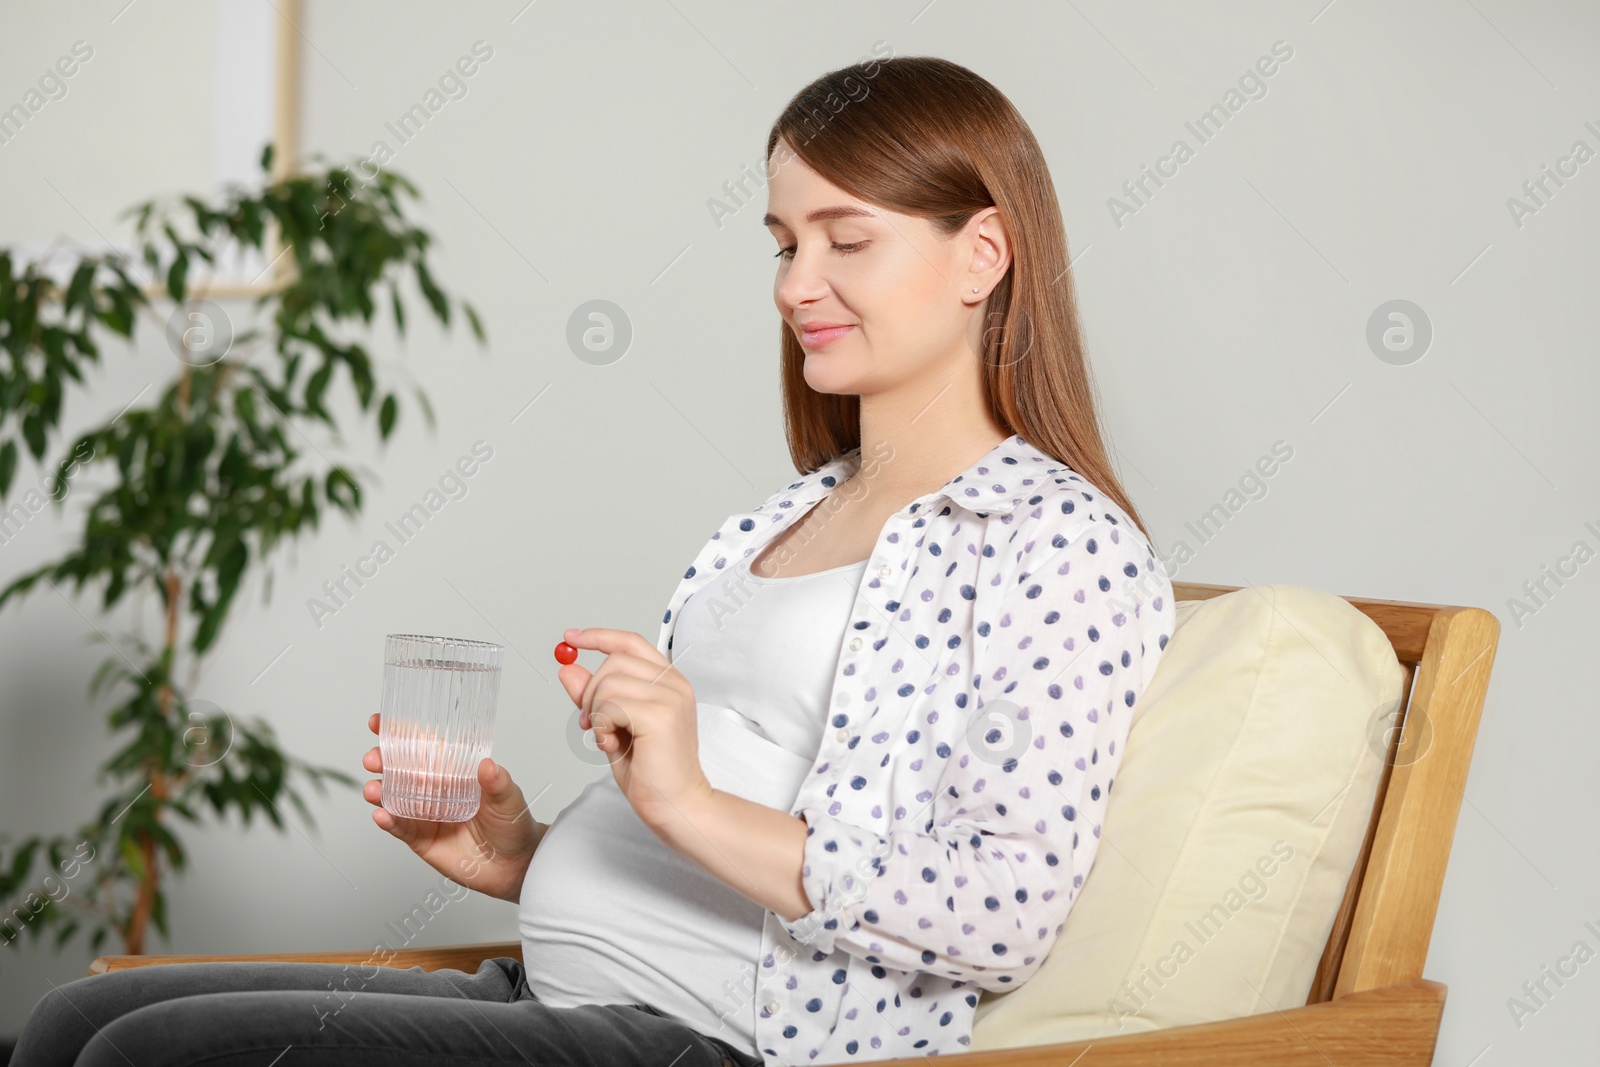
x: 889, y: 280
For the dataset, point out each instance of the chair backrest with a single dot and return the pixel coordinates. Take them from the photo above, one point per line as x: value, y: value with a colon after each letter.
x: 1385, y: 923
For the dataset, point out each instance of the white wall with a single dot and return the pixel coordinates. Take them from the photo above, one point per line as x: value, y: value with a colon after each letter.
x: 1228, y: 313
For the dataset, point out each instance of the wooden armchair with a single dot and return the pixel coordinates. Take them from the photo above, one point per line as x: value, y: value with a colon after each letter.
x: 1369, y: 1004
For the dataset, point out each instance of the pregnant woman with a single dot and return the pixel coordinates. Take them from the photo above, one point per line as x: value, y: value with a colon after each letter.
x: 859, y: 778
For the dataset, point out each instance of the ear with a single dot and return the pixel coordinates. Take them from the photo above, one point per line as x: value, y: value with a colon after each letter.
x: 990, y: 243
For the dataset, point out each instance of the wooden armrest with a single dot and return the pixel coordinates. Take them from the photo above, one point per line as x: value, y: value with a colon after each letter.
x: 461, y: 957
x: 1392, y: 1026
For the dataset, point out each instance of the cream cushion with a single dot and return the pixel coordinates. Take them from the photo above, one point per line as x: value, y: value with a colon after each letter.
x: 1234, y: 822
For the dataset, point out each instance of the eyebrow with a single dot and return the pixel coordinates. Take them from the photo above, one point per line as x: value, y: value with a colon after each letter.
x: 839, y: 212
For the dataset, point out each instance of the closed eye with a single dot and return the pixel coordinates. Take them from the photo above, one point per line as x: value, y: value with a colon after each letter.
x: 843, y: 249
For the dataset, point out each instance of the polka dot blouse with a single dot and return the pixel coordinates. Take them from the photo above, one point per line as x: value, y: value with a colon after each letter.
x: 1002, y: 633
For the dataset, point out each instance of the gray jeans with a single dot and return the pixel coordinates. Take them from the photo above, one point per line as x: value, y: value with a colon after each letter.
x: 286, y: 1014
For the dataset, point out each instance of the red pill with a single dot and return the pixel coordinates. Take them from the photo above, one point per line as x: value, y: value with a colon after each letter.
x: 566, y: 653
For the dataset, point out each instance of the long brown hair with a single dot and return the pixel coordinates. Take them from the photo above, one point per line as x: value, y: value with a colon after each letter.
x: 927, y: 137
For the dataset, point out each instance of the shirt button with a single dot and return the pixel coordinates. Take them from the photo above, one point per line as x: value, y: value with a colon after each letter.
x: 843, y: 734
x: 884, y: 570
x: 772, y: 1007
x: 855, y: 644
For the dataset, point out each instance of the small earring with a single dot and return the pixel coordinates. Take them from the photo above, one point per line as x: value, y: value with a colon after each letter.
x: 974, y: 289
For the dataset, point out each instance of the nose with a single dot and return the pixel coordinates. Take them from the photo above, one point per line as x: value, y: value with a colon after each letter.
x: 799, y: 282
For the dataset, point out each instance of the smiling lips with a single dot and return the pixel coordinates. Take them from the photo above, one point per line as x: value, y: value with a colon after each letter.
x: 815, y: 335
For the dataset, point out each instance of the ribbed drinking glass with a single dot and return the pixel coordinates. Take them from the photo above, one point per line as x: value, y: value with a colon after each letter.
x: 436, y: 724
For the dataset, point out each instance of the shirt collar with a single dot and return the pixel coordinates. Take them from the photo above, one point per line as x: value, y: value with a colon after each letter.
x: 1007, y: 475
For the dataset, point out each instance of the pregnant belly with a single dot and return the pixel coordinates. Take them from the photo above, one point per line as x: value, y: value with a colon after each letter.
x: 608, y: 913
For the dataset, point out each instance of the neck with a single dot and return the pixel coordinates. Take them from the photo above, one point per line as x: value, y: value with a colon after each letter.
x: 934, y: 433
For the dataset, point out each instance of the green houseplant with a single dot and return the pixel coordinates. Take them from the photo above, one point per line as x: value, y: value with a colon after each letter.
x: 207, y: 482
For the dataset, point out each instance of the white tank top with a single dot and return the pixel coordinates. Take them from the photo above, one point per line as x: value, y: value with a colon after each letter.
x: 610, y: 915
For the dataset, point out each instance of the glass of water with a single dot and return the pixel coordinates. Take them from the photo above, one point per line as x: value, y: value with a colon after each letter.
x: 436, y: 724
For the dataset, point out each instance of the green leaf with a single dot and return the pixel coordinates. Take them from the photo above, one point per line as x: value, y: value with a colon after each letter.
x: 244, y: 404
x: 252, y: 224
x: 266, y: 157
x: 316, y: 385
x: 119, y: 316
x: 475, y: 322
x: 22, y: 862
x: 203, y: 219
x: 131, y: 857
x: 427, y: 408
x: 300, y: 806
x: 33, y: 432
x: 111, y: 667
x: 177, y: 276
x: 386, y: 413
x: 78, y: 293
x: 229, y: 572
x: 399, y: 311
x: 361, y: 372
x: 342, y: 490
x: 8, y: 465
x: 206, y: 632
x: 436, y: 298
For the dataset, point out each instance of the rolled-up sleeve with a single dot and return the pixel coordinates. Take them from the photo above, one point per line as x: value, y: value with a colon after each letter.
x: 979, y: 888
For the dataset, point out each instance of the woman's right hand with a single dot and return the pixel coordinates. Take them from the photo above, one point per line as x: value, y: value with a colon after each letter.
x: 489, y: 852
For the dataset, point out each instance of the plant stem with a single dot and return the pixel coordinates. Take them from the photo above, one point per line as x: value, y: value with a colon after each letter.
x: 144, y: 903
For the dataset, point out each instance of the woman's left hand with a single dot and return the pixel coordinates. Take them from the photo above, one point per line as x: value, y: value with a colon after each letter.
x: 642, y: 711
